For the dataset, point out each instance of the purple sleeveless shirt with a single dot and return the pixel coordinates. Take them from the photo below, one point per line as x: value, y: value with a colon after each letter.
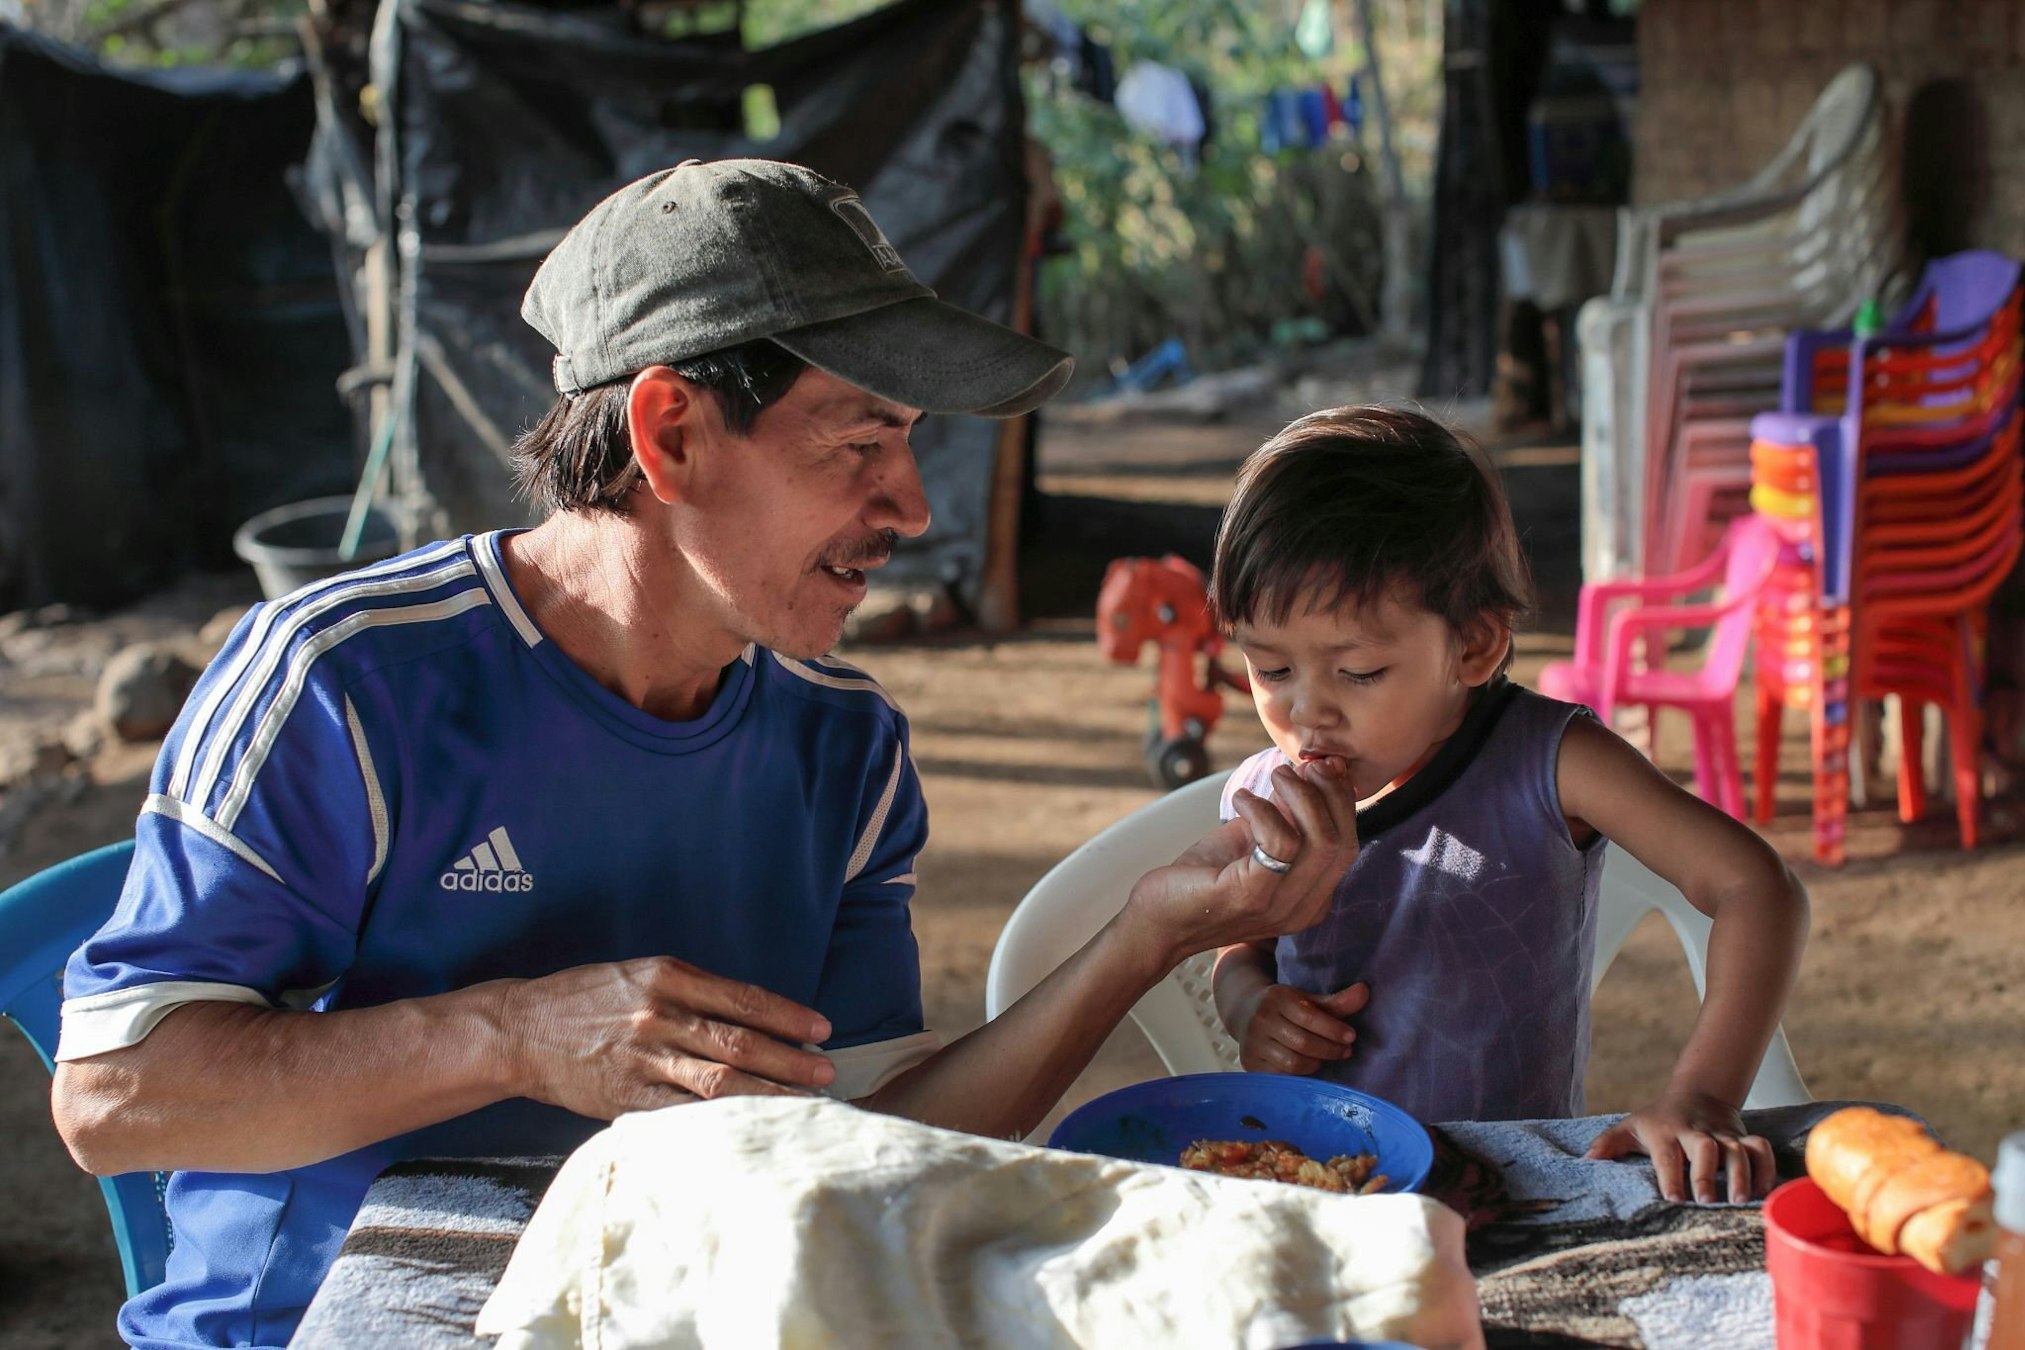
x: 1472, y: 915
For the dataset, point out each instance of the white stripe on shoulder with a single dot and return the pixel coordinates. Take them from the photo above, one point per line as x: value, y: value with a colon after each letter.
x: 862, y: 684
x: 485, y: 548
x: 256, y: 641
x: 376, y: 804
x: 873, y: 827
x: 273, y: 652
x: 190, y: 817
x: 250, y: 764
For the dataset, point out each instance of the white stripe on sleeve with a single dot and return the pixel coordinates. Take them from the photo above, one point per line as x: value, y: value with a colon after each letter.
x: 185, y: 814
x: 863, y: 1069
x: 873, y: 827
x: 99, y: 1023
x: 376, y: 804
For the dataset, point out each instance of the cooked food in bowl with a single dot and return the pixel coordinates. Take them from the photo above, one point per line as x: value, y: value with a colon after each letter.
x: 1152, y: 1122
x: 1274, y: 1160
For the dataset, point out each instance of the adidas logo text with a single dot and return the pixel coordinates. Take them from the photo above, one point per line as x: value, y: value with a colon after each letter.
x: 491, y: 866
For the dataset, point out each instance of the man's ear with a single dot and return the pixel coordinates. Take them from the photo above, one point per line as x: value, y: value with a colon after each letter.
x: 665, y: 421
x: 1484, y: 643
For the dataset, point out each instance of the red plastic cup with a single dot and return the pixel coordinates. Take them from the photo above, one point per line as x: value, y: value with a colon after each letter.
x: 1833, y: 1291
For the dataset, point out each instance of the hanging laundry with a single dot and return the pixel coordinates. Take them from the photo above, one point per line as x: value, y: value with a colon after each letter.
x: 1158, y: 102
x: 1314, y: 32
x: 1332, y: 108
x: 1282, y: 125
x: 1314, y: 117
x: 1353, y: 107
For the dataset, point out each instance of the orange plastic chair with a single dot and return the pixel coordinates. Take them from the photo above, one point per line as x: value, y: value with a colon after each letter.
x: 1902, y: 516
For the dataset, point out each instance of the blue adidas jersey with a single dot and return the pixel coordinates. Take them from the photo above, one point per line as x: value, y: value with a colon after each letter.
x: 390, y: 785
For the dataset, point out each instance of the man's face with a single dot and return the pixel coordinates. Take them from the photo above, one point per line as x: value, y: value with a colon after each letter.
x: 792, y: 516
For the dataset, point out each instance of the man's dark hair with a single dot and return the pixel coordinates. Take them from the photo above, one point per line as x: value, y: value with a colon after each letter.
x: 579, y: 458
x: 1348, y: 503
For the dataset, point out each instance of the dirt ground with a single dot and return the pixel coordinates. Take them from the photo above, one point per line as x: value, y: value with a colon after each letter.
x: 1913, y: 989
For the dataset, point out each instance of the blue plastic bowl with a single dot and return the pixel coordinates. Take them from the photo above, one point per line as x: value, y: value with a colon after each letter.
x: 1155, y: 1120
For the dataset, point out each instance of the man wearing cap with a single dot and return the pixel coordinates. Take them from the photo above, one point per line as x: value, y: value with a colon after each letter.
x: 469, y: 851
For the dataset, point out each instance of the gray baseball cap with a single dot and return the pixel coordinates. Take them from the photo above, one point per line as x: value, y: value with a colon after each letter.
x: 705, y: 256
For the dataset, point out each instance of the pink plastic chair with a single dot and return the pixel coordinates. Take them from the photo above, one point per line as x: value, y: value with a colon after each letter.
x: 1605, y: 672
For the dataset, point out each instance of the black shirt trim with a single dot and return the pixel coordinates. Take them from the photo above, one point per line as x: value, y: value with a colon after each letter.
x: 1440, y: 773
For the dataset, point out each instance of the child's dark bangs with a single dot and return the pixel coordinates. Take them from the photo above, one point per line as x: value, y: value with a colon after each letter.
x: 1301, y: 585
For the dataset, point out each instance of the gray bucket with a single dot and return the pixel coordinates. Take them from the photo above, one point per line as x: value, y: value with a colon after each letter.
x: 296, y: 544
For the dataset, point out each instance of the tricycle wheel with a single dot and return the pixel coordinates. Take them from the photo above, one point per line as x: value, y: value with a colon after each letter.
x: 1177, y: 762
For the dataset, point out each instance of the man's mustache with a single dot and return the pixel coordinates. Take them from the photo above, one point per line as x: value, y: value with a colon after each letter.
x: 866, y: 552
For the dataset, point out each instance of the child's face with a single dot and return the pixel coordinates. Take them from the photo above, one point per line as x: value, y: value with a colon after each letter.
x: 1376, y: 686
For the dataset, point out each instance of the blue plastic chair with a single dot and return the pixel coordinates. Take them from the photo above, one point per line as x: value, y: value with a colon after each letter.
x: 42, y: 921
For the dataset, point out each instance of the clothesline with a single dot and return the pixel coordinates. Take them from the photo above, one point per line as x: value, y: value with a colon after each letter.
x: 1177, y: 108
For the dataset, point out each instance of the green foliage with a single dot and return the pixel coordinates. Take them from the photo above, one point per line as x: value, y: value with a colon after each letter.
x: 769, y: 22
x: 166, y: 33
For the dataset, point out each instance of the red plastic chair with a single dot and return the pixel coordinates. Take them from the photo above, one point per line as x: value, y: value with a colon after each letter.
x: 1606, y: 671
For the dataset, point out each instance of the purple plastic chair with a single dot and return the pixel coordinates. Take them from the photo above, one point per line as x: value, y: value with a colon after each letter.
x: 1965, y: 289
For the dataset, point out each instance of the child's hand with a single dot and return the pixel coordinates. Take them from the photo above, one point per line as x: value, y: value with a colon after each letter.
x: 1691, y: 1136
x: 1295, y: 1032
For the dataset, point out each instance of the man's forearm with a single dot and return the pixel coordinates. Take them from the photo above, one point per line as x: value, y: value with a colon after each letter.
x: 224, y: 1087
x: 1003, y: 1078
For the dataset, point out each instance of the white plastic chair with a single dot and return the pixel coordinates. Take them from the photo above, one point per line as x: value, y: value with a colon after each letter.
x: 1081, y: 893
x: 1690, y: 341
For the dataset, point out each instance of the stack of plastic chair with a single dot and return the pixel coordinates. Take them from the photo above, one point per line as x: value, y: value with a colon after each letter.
x: 1607, y: 671
x: 1901, y: 516
x: 1688, y: 345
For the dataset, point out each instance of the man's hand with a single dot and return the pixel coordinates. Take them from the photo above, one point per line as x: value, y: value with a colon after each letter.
x: 1218, y: 893
x: 1690, y: 1137
x: 633, y: 1035
x: 1290, y: 1031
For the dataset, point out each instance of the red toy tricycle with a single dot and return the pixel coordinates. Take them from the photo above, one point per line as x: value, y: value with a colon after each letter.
x: 1164, y: 601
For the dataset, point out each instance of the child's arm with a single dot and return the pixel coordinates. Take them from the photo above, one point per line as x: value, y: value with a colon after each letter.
x: 1278, y: 1028
x: 1760, y: 925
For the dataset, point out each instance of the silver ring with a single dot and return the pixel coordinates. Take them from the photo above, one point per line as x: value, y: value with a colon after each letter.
x: 1268, y: 861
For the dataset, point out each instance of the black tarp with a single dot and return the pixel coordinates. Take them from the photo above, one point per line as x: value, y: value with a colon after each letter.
x: 502, y: 124
x: 170, y: 322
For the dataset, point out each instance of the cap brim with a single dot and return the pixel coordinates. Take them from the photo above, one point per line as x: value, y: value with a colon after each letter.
x: 927, y: 354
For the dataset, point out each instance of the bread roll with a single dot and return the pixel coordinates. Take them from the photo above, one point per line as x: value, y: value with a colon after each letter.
x: 1902, y: 1191
x: 1859, y: 1147
x: 1936, y: 1179
x: 1951, y: 1237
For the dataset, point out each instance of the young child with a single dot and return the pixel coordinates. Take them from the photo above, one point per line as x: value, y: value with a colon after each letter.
x: 1369, y: 571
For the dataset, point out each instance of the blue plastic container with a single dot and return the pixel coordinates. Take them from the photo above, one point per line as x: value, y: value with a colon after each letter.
x: 1155, y: 1120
